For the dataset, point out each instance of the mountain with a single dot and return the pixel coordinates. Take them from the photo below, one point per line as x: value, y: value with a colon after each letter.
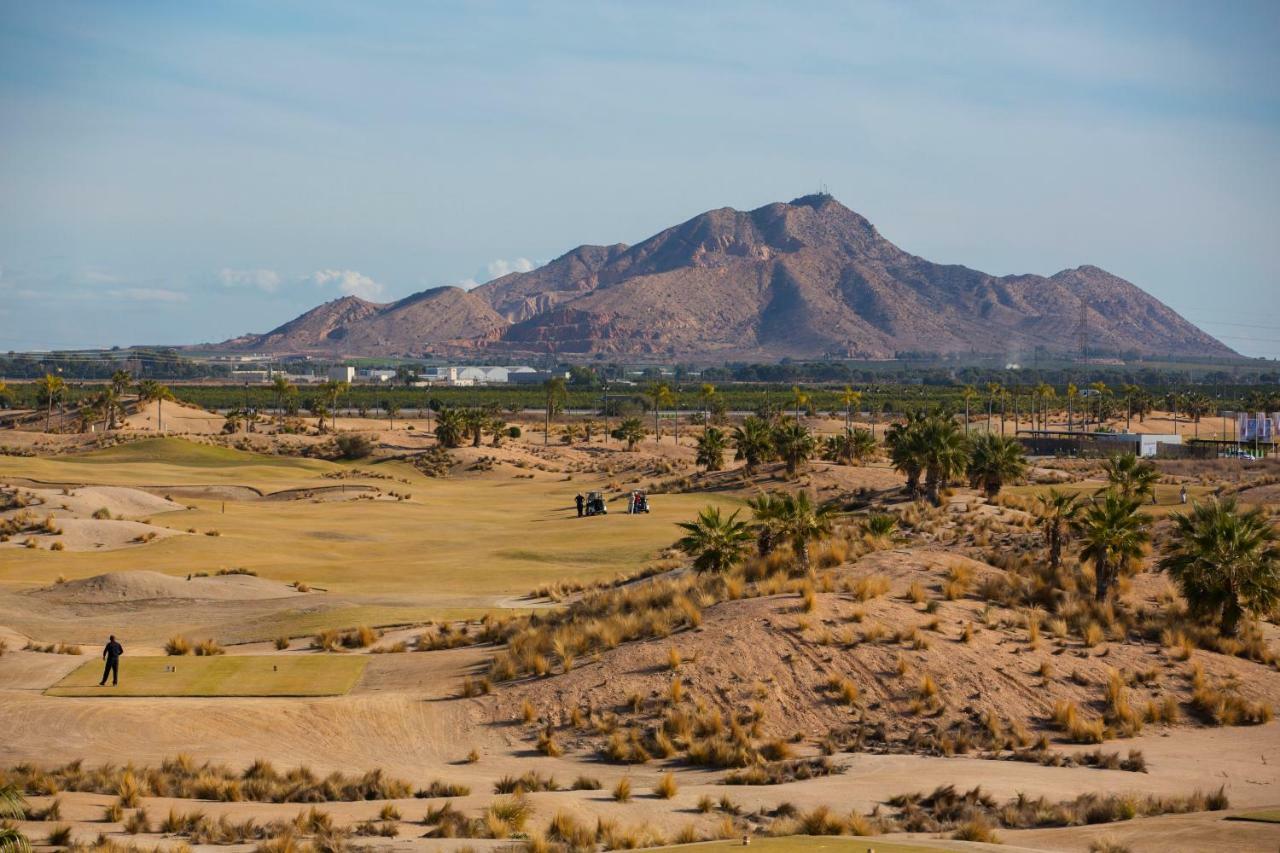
x: 801, y: 279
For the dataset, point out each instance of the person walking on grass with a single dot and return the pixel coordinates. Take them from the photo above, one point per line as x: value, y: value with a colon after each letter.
x: 111, y: 654
x: 580, y: 501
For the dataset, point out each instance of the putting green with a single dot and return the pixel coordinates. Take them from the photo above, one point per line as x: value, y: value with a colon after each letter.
x: 223, y: 675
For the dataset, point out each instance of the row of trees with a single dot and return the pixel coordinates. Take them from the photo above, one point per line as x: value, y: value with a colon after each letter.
x: 936, y: 448
x: 107, y: 404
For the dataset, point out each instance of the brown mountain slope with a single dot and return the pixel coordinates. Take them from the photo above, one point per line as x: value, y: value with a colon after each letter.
x: 354, y: 326
x: 802, y: 279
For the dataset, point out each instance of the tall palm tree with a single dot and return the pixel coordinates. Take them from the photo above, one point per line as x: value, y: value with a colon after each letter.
x: 554, y: 393
x: 716, y: 543
x: 967, y: 393
x: 631, y: 430
x: 51, y: 388
x: 1227, y: 562
x: 799, y: 399
x: 994, y: 391
x: 1100, y: 390
x: 753, y: 442
x: 392, y: 408
x: 1114, y: 535
x: 995, y: 460
x: 800, y: 521
x: 794, y: 443
x: 945, y: 454
x: 659, y: 395
x: 149, y: 390
x: 850, y: 398
x: 1057, y: 512
x: 332, y: 391
x: 12, y: 807
x: 1130, y: 476
x: 474, y: 420
x: 706, y: 394
x: 711, y: 447
x: 1073, y: 393
x: 282, y: 387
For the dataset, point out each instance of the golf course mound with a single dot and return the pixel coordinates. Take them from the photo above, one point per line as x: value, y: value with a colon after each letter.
x: 97, y: 501
x: 138, y: 586
x: 239, y: 675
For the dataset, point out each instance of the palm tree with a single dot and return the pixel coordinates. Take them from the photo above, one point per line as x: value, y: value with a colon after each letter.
x: 799, y: 521
x: 51, y: 389
x: 753, y: 442
x: 852, y: 447
x: 711, y: 447
x: 906, y: 451
x: 282, y: 388
x: 392, y: 408
x: 794, y: 443
x: 1100, y: 390
x: 555, y: 393
x: 850, y: 398
x: 994, y: 391
x: 765, y: 510
x: 149, y: 390
x: 1131, y: 393
x: 706, y: 394
x: 497, y: 428
x: 1227, y: 562
x: 4, y: 392
x: 631, y: 430
x: 799, y: 399
x: 1072, y: 394
x: 450, y: 427
x: 659, y: 395
x: 1114, y: 535
x: 945, y: 454
x: 474, y: 420
x: 995, y: 460
x: 12, y: 807
x: 332, y: 390
x: 120, y: 382
x: 1057, y: 512
x: 967, y: 393
x: 1129, y: 476
x: 716, y: 544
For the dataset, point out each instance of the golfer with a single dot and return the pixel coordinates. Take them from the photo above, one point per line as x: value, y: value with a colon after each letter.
x: 580, y: 500
x: 111, y: 654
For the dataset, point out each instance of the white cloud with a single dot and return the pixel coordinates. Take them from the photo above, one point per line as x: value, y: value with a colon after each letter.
x: 497, y: 269
x: 147, y: 294
x: 500, y: 267
x: 349, y: 282
x: 268, y: 281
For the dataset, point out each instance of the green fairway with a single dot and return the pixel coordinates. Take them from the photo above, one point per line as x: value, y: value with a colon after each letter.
x: 814, y: 844
x: 223, y: 675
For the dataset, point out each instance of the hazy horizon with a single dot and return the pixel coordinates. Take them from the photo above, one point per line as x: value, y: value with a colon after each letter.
x: 179, y: 174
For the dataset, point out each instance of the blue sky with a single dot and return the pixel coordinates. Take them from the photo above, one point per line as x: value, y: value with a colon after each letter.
x: 180, y: 172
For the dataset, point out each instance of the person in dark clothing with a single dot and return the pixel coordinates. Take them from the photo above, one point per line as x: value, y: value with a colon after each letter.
x: 111, y: 654
x: 580, y: 501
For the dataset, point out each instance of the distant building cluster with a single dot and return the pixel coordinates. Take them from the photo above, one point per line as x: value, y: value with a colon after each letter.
x: 421, y: 377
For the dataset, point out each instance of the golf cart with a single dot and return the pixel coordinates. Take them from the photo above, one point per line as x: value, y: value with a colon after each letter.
x: 639, y: 502
x: 595, y: 504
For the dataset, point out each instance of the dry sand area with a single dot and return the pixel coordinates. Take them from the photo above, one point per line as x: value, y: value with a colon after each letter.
x: 331, y: 545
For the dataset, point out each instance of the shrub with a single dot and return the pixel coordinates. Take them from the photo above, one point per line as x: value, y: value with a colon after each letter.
x: 622, y: 790
x: 353, y: 445
x: 177, y: 645
x: 666, y: 787
x: 209, y: 648
x: 281, y: 643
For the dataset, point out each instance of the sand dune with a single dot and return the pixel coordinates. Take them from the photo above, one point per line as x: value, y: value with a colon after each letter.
x: 150, y: 586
